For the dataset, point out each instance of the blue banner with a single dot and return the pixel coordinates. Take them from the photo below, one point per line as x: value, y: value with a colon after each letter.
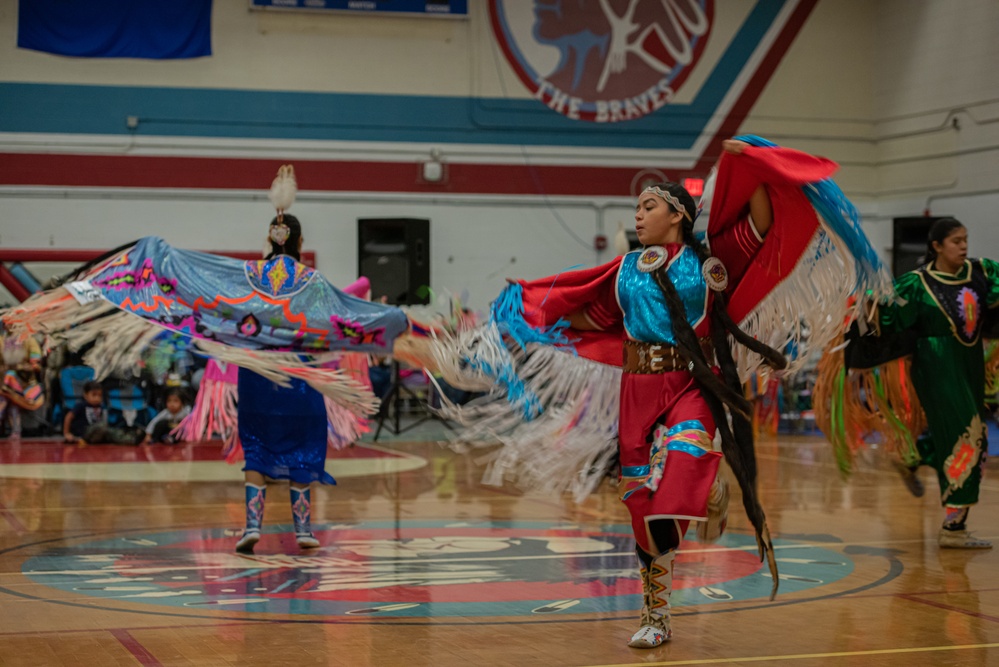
x: 156, y: 29
x: 421, y: 7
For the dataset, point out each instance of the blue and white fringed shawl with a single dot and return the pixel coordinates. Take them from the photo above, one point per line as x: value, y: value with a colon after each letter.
x: 276, y: 317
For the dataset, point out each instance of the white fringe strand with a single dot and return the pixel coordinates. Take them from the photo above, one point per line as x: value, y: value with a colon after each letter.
x: 568, y: 447
x: 121, y: 338
x: 52, y: 312
x: 483, y: 344
x: 280, y: 367
x: 804, y: 311
x: 810, y: 306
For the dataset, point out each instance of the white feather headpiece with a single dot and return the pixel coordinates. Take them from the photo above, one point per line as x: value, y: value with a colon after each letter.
x: 283, y: 189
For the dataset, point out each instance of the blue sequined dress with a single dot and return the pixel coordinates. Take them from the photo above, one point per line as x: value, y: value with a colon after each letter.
x: 283, y: 429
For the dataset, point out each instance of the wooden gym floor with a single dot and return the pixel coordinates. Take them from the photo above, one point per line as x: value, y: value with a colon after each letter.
x: 123, y: 556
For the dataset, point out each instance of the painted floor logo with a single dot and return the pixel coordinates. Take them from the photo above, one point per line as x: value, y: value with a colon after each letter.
x: 418, y: 569
x: 603, y: 60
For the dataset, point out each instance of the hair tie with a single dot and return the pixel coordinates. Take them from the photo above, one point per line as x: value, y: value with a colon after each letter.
x: 279, y: 233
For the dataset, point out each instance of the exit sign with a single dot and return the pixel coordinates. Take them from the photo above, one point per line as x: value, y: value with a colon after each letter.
x: 695, y: 186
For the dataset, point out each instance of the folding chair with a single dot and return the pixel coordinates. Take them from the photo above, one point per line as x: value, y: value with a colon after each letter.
x: 127, y: 404
x: 71, y: 381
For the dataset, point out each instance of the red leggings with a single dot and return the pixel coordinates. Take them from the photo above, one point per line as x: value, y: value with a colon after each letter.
x: 659, y: 518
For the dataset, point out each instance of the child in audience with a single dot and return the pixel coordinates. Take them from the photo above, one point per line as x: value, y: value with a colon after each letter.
x: 161, y: 427
x: 87, y: 422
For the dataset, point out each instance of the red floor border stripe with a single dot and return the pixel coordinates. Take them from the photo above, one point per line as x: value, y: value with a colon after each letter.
x: 135, y: 647
x: 12, y: 519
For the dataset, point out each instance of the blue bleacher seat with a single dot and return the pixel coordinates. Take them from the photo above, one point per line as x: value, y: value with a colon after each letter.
x: 71, y: 381
x: 128, y: 404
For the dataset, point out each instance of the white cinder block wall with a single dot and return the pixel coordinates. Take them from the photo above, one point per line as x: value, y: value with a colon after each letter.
x: 903, y: 93
x: 936, y: 105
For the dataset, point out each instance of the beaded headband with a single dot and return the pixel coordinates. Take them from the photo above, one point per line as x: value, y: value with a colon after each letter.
x: 669, y: 198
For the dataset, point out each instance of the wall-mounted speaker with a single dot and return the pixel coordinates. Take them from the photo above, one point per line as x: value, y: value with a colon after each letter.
x: 394, y: 254
x: 909, y: 242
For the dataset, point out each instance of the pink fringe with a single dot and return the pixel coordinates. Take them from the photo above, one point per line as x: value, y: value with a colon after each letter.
x: 343, y: 427
x: 214, y: 410
x: 356, y: 365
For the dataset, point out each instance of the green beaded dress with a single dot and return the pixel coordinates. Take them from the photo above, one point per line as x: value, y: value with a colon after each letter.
x: 946, y: 313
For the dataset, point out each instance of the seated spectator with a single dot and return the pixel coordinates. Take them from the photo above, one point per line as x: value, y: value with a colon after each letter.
x: 159, y: 429
x: 87, y: 416
x: 87, y: 423
x: 20, y: 391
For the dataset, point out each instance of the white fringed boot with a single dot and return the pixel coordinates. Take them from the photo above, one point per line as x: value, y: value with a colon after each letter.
x: 657, y: 583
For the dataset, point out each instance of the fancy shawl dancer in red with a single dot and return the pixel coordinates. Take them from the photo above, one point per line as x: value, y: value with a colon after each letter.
x: 786, y: 250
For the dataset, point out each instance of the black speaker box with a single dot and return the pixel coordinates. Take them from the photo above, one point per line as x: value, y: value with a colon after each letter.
x: 394, y: 254
x: 909, y: 242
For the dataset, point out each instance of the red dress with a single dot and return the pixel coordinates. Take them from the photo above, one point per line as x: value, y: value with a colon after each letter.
x: 567, y: 419
x: 669, y: 476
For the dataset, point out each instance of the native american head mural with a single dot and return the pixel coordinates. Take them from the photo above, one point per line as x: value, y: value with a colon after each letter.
x: 606, y: 60
x: 609, y: 61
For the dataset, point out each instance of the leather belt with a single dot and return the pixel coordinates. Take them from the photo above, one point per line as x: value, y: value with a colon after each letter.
x: 647, y: 358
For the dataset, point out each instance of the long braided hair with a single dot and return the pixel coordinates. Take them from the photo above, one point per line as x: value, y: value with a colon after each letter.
x: 719, y: 393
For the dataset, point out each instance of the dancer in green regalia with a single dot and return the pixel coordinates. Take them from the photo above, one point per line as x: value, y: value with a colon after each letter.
x: 938, y: 319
